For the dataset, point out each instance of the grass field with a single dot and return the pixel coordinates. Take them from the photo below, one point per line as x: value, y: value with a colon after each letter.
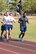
x: 31, y: 29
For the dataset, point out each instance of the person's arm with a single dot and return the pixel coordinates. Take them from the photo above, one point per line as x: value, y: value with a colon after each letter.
x: 2, y: 21
x: 19, y: 21
x: 13, y: 20
x: 27, y: 21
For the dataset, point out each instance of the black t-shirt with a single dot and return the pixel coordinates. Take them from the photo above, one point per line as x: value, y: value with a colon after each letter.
x: 23, y: 20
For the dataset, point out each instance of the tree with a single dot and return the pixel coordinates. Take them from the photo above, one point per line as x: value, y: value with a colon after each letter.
x: 3, y: 5
x: 29, y: 5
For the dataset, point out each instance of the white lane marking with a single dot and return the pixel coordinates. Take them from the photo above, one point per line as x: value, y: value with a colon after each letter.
x: 24, y: 43
x: 18, y: 47
x: 9, y: 51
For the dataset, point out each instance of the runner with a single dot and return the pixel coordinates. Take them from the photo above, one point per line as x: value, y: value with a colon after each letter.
x: 11, y: 23
x: 22, y: 21
x: 8, y: 24
x: 2, y: 26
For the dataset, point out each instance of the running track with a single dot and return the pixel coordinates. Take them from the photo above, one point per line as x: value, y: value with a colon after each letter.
x: 16, y: 47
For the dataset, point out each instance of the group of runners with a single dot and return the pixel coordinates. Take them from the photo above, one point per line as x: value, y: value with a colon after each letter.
x: 7, y: 25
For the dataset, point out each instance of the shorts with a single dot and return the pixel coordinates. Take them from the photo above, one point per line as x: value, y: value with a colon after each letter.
x: 2, y: 27
x: 8, y: 27
x: 23, y: 28
x: 11, y: 27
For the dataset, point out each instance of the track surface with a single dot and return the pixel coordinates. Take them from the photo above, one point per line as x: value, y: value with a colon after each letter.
x: 16, y: 47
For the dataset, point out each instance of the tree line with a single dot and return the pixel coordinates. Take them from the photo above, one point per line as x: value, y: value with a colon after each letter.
x: 27, y: 5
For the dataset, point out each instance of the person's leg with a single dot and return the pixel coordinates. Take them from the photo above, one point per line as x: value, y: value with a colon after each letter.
x: 7, y: 34
x: 1, y: 37
x: 20, y: 34
x: 10, y: 29
x: 1, y: 33
x: 2, y: 30
x: 6, y: 28
x: 23, y: 34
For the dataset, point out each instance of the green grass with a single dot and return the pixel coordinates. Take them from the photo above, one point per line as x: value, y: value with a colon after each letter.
x: 30, y: 33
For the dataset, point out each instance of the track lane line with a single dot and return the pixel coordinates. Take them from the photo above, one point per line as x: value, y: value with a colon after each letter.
x: 23, y: 43
x: 8, y: 50
x: 30, y: 43
x: 18, y: 47
x: 12, y: 39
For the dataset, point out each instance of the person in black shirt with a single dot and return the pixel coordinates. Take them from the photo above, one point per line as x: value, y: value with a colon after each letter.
x: 22, y: 21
